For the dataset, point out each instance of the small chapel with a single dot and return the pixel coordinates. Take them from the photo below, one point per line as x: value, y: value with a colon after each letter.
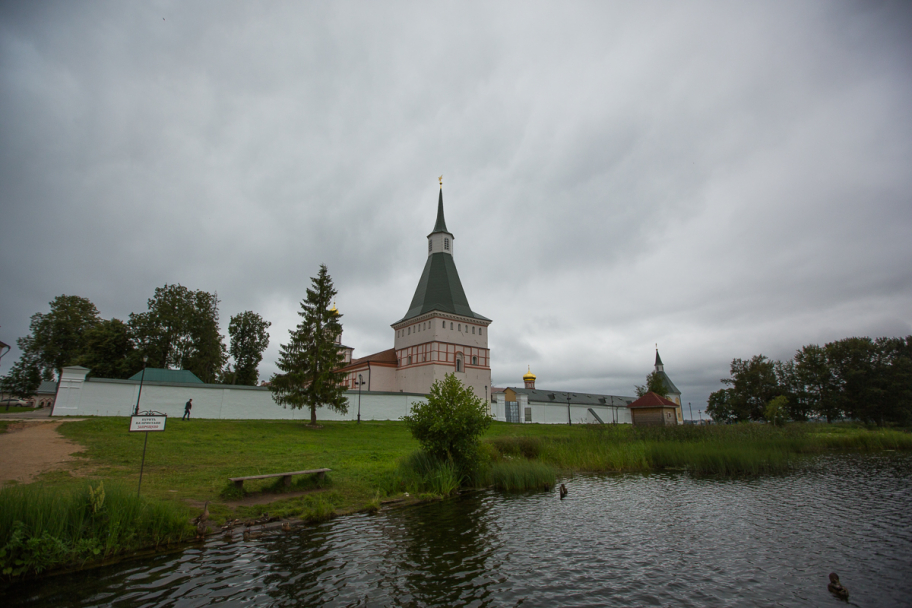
x: 439, y: 334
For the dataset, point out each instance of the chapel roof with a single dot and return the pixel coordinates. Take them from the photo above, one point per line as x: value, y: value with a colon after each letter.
x: 653, y: 400
x: 670, y: 387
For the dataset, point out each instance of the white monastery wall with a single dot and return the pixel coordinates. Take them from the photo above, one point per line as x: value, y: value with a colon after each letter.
x: 100, y: 397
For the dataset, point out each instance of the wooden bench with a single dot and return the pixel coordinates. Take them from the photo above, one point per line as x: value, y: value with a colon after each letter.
x: 286, y: 477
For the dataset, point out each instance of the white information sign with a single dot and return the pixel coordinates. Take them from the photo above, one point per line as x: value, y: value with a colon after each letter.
x: 147, y: 423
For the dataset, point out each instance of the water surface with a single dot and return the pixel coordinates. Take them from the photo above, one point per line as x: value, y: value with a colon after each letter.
x: 644, y: 540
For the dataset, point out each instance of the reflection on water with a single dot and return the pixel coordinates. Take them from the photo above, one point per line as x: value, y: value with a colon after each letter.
x: 658, y: 539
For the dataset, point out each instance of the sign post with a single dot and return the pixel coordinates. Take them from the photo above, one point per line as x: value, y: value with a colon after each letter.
x: 147, y: 422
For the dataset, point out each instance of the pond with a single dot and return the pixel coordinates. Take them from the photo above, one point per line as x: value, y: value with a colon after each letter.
x: 619, y: 540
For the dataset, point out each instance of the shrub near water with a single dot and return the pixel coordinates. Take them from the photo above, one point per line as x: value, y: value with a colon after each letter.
x: 42, y: 529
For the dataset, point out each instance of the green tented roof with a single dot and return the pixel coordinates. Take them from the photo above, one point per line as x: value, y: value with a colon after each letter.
x: 658, y: 358
x: 174, y: 376
x: 440, y: 289
x: 440, y: 226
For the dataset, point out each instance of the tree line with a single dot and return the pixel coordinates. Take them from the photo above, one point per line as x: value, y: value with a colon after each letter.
x: 859, y: 378
x: 180, y: 330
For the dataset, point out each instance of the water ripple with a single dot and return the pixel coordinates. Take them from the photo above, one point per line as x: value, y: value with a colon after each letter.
x: 648, y: 540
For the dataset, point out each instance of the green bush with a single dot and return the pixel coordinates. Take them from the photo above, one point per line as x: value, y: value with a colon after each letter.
x: 449, y: 425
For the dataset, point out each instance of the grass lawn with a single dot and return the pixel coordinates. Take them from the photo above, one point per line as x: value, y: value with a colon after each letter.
x: 192, y: 460
x: 15, y: 409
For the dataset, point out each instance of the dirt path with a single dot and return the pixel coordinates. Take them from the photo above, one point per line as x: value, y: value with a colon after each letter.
x: 28, y: 449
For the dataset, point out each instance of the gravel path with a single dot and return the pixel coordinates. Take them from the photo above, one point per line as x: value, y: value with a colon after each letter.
x: 29, y: 448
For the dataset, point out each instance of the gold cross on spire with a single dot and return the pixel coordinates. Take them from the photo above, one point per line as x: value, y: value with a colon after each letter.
x: 441, y: 181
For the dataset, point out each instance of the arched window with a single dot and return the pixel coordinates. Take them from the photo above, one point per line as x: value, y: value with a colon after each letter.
x: 473, y: 329
x: 474, y: 360
x: 479, y: 331
x: 410, y: 360
x: 451, y: 325
x: 444, y: 324
x: 446, y: 243
x: 459, y: 327
x: 458, y: 363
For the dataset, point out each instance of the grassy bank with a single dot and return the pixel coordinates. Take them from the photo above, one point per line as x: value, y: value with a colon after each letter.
x: 43, y: 527
x: 372, y: 462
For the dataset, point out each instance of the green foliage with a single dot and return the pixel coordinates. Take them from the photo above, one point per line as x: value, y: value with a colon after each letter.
x: 860, y: 378
x: 24, y: 376
x: 109, y: 351
x: 654, y: 384
x: 42, y: 528
x: 449, y: 425
x: 775, y: 411
x: 59, y: 337
x: 311, y: 358
x: 249, y: 338
x: 181, y: 331
x: 526, y: 447
x: 420, y: 472
x: 56, y: 339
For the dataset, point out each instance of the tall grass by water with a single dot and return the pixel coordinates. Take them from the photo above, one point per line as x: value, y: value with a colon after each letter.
x: 744, y: 449
x: 43, y: 528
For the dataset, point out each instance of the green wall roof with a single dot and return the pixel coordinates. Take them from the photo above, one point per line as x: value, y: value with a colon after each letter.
x: 175, y: 376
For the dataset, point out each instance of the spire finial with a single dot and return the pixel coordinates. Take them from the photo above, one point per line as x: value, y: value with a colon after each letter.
x: 441, y: 181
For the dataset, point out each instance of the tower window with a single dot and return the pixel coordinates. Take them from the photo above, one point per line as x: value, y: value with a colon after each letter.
x: 459, y: 327
x: 451, y: 325
x: 444, y: 324
x: 446, y: 243
x: 458, y: 363
x: 474, y: 360
x: 479, y: 331
x: 410, y: 360
x: 473, y: 329
x: 430, y: 246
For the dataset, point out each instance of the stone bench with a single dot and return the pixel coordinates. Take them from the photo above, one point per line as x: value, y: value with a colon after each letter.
x: 286, y: 477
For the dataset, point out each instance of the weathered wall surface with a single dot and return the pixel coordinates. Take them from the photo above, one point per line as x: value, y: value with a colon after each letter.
x: 100, y: 397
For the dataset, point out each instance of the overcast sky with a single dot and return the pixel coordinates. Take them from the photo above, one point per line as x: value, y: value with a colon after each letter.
x: 723, y: 179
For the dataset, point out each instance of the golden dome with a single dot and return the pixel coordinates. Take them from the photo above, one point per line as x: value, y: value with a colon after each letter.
x: 529, y: 376
x: 333, y: 309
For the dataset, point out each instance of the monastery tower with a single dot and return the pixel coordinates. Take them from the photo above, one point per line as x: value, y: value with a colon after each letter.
x: 440, y: 333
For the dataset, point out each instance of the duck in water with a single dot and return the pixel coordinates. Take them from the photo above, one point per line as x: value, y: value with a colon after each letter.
x: 836, y: 588
x: 563, y: 491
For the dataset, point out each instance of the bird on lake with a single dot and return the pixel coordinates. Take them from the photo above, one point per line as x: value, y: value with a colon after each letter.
x: 202, y: 530
x: 563, y: 491
x: 836, y: 588
x: 286, y: 526
x: 228, y: 536
x: 248, y: 535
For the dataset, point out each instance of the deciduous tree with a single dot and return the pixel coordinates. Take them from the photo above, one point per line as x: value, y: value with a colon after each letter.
x: 249, y: 336
x: 654, y: 384
x: 181, y: 330
x: 449, y: 425
x: 311, y: 358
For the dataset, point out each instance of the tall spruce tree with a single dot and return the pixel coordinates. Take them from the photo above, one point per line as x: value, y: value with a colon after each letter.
x: 311, y: 358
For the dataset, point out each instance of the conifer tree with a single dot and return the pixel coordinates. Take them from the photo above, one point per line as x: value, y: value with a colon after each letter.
x: 311, y: 358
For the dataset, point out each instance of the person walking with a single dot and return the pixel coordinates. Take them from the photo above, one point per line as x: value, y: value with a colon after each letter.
x: 187, y: 407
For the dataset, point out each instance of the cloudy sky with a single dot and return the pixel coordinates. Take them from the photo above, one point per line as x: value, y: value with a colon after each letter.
x: 723, y: 179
